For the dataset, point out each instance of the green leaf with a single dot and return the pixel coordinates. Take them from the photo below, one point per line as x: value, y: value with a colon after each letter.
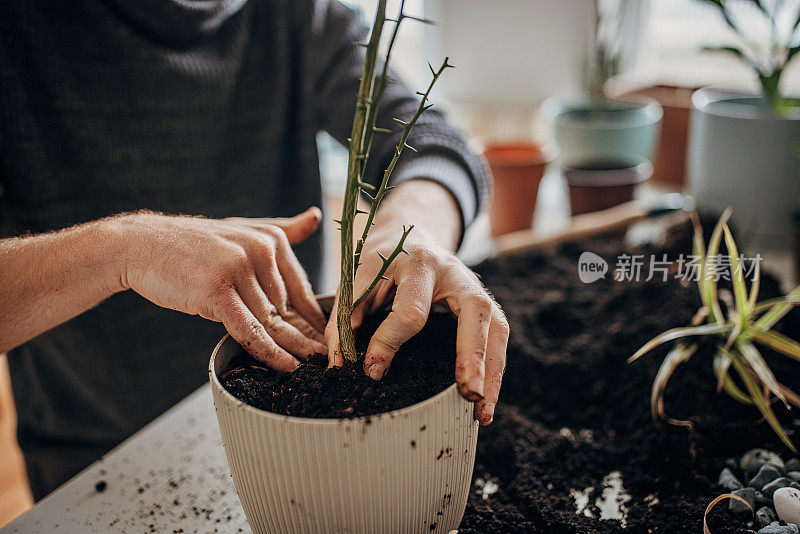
x: 678, y: 333
x: 679, y: 354
x: 762, y: 306
x: 722, y: 361
x: 737, y: 276
x: 777, y: 342
x: 756, y: 285
x: 755, y: 361
x: 776, y: 313
x: 762, y: 404
x: 710, y: 262
x: 708, y: 291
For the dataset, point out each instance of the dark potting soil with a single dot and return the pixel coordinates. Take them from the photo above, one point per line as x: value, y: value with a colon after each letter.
x: 572, y: 410
x: 422, y: 368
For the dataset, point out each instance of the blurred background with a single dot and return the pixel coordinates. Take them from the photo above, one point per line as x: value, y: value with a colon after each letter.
x: 513, y: 55
x: 595, y: 109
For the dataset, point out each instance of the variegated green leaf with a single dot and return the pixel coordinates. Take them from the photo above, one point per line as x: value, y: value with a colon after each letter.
x: 762, y: 404
x: 755, y: 361
x: 678, y: 333
x: 776, y: 313
x: 776, y: 341
x: 679, y: 354
x: 737, y: 276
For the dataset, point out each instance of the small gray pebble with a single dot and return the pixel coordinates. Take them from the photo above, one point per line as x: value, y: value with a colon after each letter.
x: 779, y: 527
x: 793, y: 464
x: 765, y: 516
x: 782, y: 482
x: 763, y: 500
x: 737, y: 506
x: 729, y: 481
x: 753, y: 459
x: 794, y: 475
x: 765, y: 475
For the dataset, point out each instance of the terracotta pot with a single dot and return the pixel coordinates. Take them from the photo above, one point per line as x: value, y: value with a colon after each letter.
x: 669, y: 165
x: 407, y: 470
x: 517, y: 170
x: 597, y: 185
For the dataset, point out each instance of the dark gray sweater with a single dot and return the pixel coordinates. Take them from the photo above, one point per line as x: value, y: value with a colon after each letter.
x: 184, y: 107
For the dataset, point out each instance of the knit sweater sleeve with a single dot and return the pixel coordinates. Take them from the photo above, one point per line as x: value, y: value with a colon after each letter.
x: 442, y: 154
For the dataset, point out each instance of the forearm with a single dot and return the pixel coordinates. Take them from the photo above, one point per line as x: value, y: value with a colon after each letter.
x: 428, y: 206
x: 47, y: 279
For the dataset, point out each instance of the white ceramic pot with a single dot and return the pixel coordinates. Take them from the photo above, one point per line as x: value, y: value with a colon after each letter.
x: 740, y: 155
x: 408, y: 470
x: 587, y: 131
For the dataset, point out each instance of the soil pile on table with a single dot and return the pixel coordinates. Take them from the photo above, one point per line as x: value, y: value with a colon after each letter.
x: 422, y: 368
x: 572, y: 411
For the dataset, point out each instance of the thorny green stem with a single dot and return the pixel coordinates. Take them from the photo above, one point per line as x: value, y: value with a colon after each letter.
x: 384, y: 187
x: 386, y: 263
x: 354, y: 168
x: 369, y: 97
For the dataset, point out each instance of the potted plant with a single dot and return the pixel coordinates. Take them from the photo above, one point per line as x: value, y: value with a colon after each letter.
x: 517, y: 169
x: 743, y: 145
x: 593, y: 130
x: 669, y: 162
x: 321, y: 450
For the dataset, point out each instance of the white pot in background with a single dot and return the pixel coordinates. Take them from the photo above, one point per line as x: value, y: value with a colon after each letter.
x: 742, y: 156
x: 408, y: 470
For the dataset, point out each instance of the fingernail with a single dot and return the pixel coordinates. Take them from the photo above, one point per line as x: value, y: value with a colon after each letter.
x: 475, y: 385
x: 375, y: 371
x: 487, y: 413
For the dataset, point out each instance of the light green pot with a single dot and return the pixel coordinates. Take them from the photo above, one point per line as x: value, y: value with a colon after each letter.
x: 742, y: 156
x: 586, y: 130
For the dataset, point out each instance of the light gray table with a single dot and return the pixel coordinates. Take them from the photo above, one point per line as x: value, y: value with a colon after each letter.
x: 171, y: 476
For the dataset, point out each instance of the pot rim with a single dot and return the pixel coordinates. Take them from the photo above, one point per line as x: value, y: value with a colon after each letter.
x: 512, y: 153
x: 555, y: 107
x: 638, y: 171
x: 737, y: 104
x: 361, y: 419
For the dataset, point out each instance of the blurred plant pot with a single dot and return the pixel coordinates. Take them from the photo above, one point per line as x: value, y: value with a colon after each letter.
x: 669, y: 165
x: 517, y: 170
x: 304, y: 475
x: 590, y: 130
x: 600, y: 184
x: 741, y: 155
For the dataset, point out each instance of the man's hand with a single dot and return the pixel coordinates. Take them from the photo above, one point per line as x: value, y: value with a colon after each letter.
x: 241, y: 272
x: 429, y: 273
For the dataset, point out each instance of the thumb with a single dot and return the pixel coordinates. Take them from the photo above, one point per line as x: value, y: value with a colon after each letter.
x: 300, y: 226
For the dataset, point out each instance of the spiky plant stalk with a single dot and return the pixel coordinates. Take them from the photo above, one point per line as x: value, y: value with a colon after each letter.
x: 370, y: 93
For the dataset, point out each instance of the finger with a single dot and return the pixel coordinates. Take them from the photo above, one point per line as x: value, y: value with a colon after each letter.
x: 297, y: 228
x: 243, y: 326
x: 298, y: 288
x: 412, y: 304
x: 284, y: 334
x: 474, y: 312
x: 495, y: 366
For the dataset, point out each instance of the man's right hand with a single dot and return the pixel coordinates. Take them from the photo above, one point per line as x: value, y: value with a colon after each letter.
x: 241, y: 272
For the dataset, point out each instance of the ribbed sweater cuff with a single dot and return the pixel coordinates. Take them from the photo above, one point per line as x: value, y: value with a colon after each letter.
x: 448, y: 173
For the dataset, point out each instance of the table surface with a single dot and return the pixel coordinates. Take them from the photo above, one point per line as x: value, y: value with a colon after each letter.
x: 171, y: 476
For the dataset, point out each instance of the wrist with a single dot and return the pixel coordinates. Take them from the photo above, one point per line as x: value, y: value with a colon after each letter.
x: 117, y: 237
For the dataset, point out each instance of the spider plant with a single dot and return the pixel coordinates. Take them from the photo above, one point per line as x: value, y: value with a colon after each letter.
x: 736, y: 332
x: 768, y: 64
